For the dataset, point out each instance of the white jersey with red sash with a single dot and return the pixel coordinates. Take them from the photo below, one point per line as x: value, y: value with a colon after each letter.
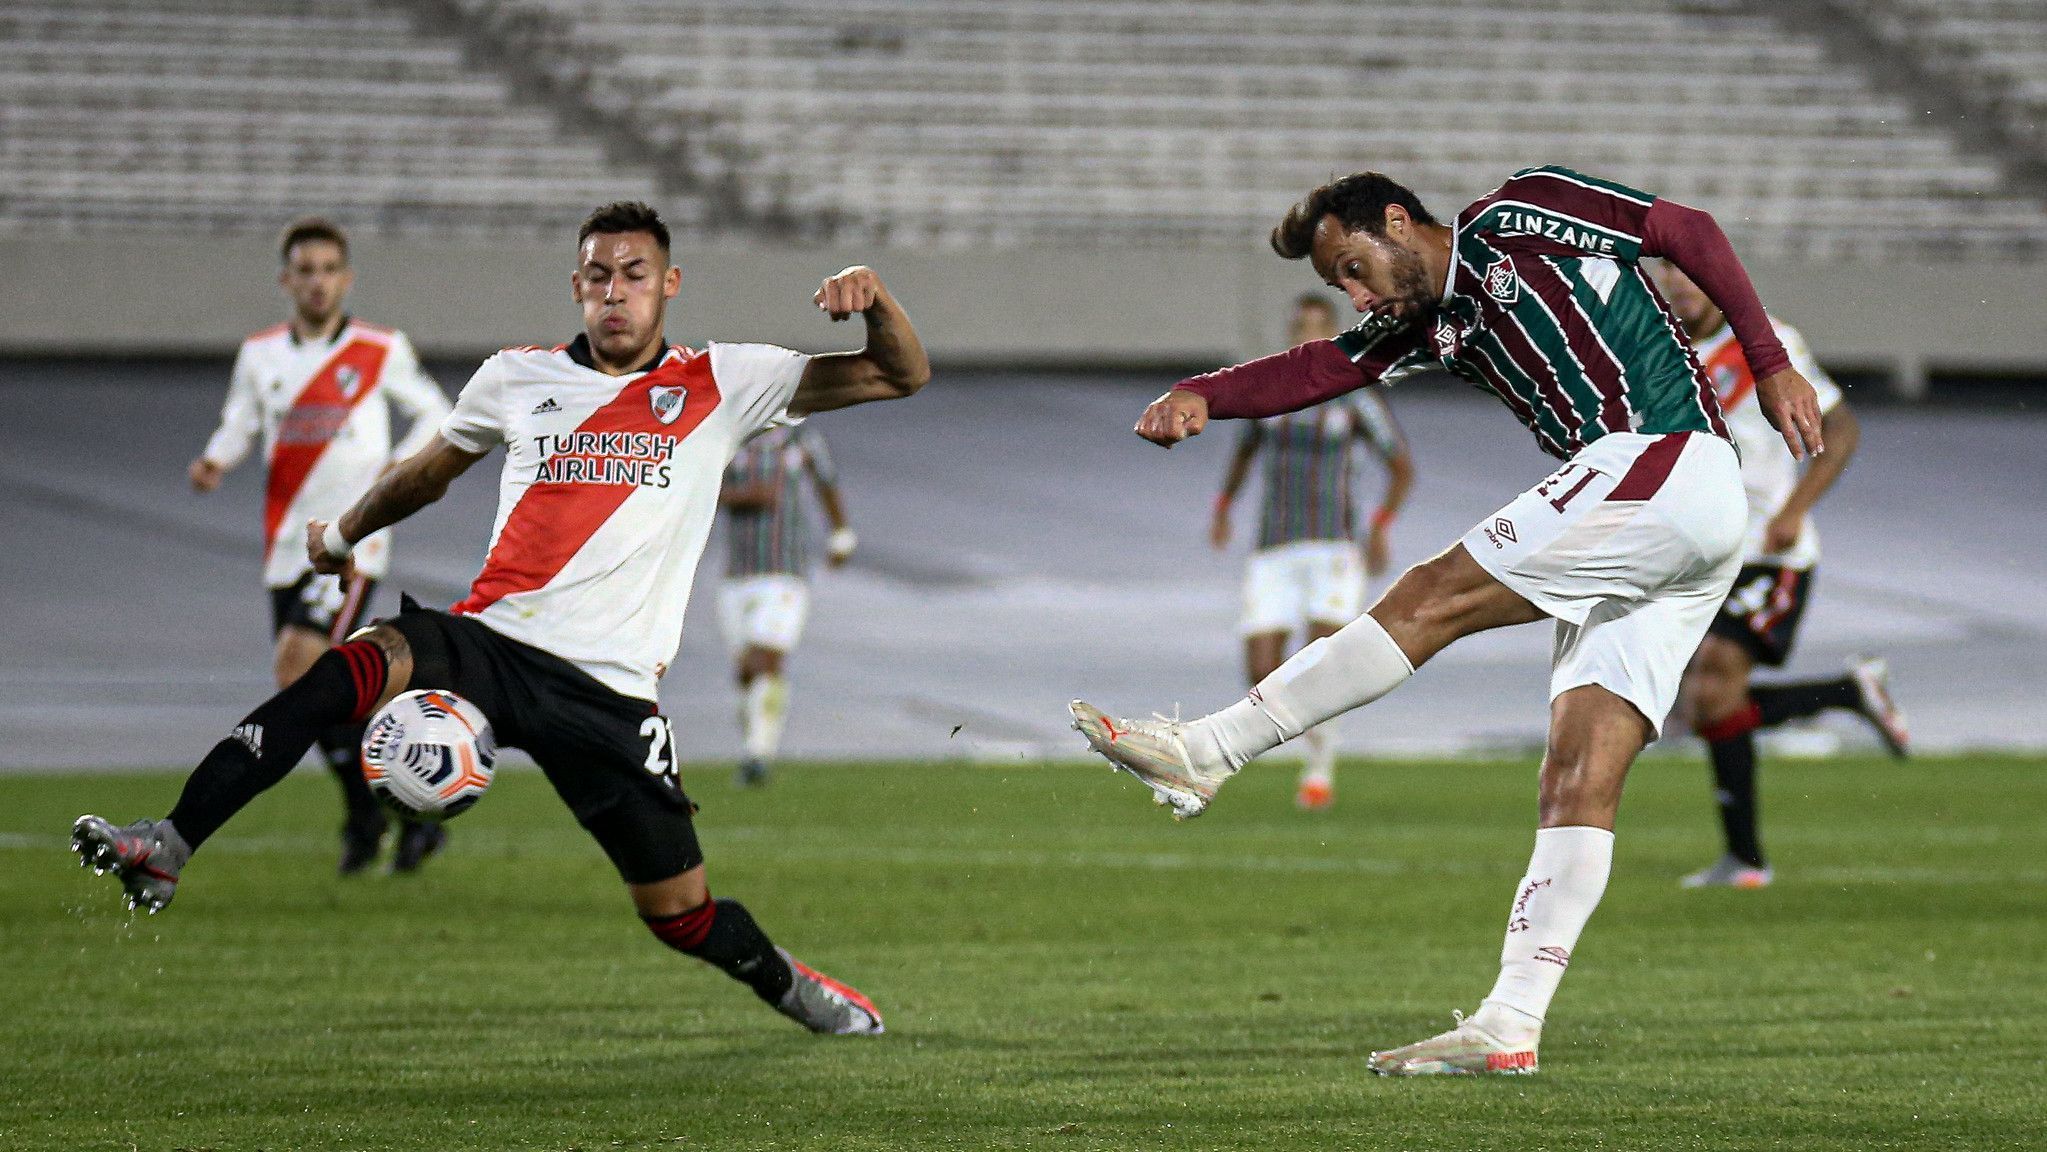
x: 323, y: 412
x: 609, y: 489
x: 1768, y: 473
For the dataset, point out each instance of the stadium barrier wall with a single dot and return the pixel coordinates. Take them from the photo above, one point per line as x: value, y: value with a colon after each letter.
x: 1095, y: 308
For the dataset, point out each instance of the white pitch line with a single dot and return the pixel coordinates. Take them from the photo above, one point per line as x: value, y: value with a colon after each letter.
x: 1217, y: 864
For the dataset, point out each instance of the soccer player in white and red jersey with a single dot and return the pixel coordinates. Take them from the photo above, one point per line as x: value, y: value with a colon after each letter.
x: 319, y: 391
x: 765, y: 598
x: 1759, y: 621
x: 1535, y: 293
x: 1311, y: 569
x: 614, y: 446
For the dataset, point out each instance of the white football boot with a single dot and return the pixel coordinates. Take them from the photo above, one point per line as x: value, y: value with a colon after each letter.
x: 1466, y: 1050
x: 1154, y: 751
x: 1872, y: 676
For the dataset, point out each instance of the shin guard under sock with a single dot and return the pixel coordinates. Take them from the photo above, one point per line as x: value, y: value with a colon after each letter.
x: 1331, y: 676
x: 722, y: 933
x: 340, y: 688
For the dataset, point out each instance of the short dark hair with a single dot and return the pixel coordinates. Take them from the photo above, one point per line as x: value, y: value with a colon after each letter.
x: 625, y: 216
x: 1315, y: 300
x: 311, y: 228
x: 1358, y: 202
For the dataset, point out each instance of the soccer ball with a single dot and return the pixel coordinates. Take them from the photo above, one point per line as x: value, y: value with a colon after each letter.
x: 428, y: 754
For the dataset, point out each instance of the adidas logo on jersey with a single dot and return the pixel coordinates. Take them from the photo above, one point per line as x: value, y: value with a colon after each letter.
x: 546, y: 406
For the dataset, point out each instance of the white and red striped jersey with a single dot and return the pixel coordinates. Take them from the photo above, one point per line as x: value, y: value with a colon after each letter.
x: 609, y: 489
x: 1768, y: 472
x: 323, y: 411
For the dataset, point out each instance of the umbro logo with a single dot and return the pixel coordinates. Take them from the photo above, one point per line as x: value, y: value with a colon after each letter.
x: 546, y: 406
x: 1505, y: 527
x: 1561, y: 957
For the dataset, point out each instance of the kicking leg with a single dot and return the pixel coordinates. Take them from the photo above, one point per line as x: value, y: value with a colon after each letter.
x: 1431, y: 606
x: 362, y: 829
x: 344, y: 685
x: 1594, y: 738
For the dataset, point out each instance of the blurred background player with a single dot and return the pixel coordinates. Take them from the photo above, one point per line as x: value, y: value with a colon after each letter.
x: 766, y: 595
x: 319, y: 390
x: 1310, y: 570
x: 1759, y: 621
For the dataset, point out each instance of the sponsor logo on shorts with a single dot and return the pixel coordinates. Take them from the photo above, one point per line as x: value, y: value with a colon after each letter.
x: 249, y: 736
x: 1501, y: 529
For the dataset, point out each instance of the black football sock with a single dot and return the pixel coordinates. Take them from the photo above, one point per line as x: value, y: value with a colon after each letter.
x: 1777, y: 703
x: 339, y: 688
x: 1734, y: 786
x: 342, y: 746
x: 722, y: 933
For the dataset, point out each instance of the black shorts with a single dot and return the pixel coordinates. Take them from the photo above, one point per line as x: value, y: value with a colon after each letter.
x: 611, y: 758
x: 1762, y: 612
x: 322, y: 604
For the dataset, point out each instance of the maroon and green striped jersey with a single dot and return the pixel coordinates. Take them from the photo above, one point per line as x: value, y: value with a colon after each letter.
x: 1548, y: 308
x: 1309, y: 490
x: 775, y: 539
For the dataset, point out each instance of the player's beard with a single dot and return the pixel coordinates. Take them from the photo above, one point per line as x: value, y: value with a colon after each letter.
x: 1414, y: 298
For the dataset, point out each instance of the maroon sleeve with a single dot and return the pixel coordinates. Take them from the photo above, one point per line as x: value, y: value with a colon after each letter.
x: 1693, y: 241
x: 1287, y: 381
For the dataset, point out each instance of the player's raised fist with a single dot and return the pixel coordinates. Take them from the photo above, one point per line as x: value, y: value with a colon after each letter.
x: 1174, y: 417
x: 853, y: 290
x: 1793, y: 409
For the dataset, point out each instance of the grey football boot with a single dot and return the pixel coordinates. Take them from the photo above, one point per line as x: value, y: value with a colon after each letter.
x: 825, y: 1005
x: 147, y: 856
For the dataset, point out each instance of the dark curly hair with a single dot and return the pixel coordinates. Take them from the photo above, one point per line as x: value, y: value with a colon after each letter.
x: 1358, y: 202
x: 625, y: 216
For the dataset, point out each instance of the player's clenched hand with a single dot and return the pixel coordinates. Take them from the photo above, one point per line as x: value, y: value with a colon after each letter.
x: 204, y: 474
x: 853, y: 290
x: 324, y: 561
x: 1174, y: 417
x: 1793, y: 409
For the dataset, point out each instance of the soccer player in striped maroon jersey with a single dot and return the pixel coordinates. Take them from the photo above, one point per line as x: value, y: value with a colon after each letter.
x: 1536, y: 294
x: 1759, y: 622
x: 765, y: 599
x: 1311, y: 567
x: 615, y: 443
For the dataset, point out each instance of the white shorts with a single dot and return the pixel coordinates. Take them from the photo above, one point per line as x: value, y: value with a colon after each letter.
x: 1631, y: 546
x: 763, y: 611
x: 1305, y: 582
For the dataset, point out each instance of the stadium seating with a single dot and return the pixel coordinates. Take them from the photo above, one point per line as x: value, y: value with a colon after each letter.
x: 997, y: 122
x: 239, y: 114
x: 1994, y: 50
x: 1009, y: 121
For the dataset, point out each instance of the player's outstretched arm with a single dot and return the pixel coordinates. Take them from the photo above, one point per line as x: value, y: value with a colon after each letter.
x: 409, y: 485
x: 890, y: 367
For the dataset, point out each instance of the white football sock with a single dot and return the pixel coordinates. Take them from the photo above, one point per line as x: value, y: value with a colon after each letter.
x: 1327, y: 678
x: 1566, y: 877
x: 1321, y: 749
x: 762, y: 713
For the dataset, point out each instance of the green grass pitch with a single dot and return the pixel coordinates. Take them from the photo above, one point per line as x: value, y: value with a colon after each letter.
x: 1061, y: 966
